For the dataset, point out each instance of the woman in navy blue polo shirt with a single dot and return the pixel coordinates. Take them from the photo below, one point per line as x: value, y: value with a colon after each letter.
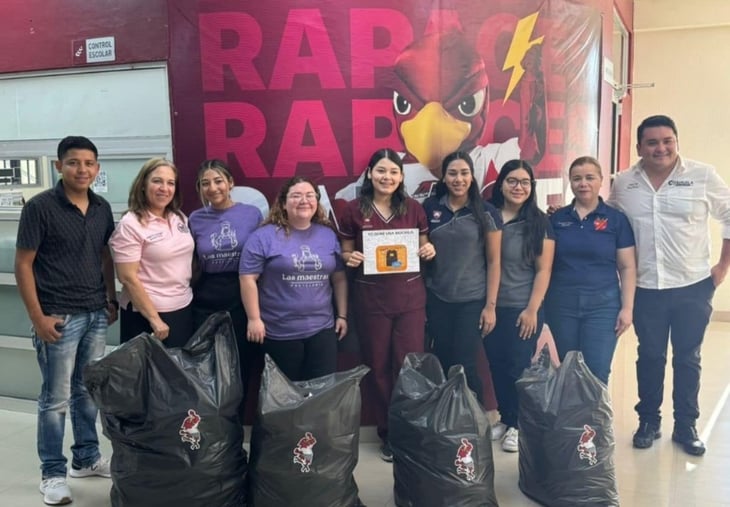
x: 591, y: 297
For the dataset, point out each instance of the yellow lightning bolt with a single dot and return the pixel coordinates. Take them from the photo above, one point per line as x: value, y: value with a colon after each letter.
x: 521, y: 43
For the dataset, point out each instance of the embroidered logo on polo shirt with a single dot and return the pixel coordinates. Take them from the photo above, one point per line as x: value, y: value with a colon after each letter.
x: 680, y: 183
x: 436, y: 216
x: 600, y: 224
x: 182, y: 227
x: 632, y: 185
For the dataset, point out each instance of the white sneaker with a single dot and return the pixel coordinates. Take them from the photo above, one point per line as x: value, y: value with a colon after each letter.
x: 511, y: 440
x: 55, y: 491
x: 99, y: 469
x: 497, y: 431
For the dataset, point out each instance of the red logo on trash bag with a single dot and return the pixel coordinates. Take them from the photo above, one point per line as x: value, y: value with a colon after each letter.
x: 189, y: 432
x: 464, y: 462
x: 586, y: 447
x: 303, y: 452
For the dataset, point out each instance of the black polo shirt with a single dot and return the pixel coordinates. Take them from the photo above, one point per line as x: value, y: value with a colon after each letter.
x: 68, y: 246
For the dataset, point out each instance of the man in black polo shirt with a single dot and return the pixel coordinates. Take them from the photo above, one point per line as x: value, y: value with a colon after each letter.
x: 65, y: 276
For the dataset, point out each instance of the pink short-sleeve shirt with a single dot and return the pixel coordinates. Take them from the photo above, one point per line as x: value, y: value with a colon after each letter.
x: 164, y: 249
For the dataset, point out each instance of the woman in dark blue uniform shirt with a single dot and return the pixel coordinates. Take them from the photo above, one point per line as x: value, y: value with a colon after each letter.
x: 591, y: 296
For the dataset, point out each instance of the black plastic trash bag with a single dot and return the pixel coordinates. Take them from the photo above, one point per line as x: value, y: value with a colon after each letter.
x: 566, y: 435
x: 440, y: 436
x: 305, y: 441
x: 172, y: 418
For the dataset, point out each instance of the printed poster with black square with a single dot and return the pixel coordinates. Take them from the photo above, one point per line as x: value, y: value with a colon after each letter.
x: 172, y: 418
x: 305, y: 440
x: 440, y: 436
x: 566, y: 435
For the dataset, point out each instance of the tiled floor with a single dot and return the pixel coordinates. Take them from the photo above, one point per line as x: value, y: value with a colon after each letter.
x: 657, y: 477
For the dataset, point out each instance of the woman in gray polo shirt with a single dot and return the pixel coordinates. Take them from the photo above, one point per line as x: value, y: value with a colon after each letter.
x: 528, y: 246
x: 462, y: 283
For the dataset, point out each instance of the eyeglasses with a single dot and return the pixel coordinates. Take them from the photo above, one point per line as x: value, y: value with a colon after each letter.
x: 513, y: 182
x: 310, y: 196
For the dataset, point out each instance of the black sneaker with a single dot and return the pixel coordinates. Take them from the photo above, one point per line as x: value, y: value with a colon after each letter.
x: 645, y: 435
x: 687, y: 437
x: 386, y: 453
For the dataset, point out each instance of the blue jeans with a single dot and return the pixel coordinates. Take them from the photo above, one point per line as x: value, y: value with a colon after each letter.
x: 585, y: 321
x: 83, y: 338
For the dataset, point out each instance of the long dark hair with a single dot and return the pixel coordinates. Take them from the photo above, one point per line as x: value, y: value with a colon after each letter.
x: 534, y: 218
x: 367, y: 191
x: 212, y: 165
x: 475, y: 202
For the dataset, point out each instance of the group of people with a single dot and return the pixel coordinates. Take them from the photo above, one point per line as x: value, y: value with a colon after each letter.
x: 492, y: 273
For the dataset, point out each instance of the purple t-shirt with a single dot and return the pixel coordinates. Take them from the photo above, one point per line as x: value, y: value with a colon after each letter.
x: 220, y: 235
x: 295, y: 293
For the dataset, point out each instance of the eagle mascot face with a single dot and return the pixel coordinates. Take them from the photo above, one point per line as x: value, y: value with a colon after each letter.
x: 440, y: 98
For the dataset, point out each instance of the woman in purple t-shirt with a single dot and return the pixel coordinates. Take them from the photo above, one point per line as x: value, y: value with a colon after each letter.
x: 220, y: 229
x: 290, y: 268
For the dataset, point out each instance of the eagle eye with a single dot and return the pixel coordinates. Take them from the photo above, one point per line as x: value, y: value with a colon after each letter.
x: 401, y: 104
x: 472, y: 104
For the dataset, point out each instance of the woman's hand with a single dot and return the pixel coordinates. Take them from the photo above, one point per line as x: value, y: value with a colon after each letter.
x: 427, y: 251
x: 487, y: 320
x: 256, y: 331
x: 623, y: 321
x: 356, y: 258
x: 527, y: 322
x: 340, y: 327
x: 159, y: 328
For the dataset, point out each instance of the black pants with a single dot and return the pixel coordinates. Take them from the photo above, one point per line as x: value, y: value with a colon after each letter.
x: 509, y: 355
x: 681, y: 315
x: 306, y: 358
x: 454, y: 329
x: 220, y: 292
x: 133, y: 323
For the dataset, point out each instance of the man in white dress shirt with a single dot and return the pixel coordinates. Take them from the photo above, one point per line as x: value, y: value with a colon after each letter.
x: 668, y: 200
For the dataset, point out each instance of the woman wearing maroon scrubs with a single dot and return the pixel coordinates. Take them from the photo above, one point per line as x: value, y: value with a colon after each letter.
x: 390, y: 307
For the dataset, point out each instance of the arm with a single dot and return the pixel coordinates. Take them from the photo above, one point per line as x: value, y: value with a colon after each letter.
x: 719, y: 270
x: 350, y: 256
x: 488, y: 318
x: 107, y: 269
x: 527, y: 320
x: 127, y: 273
x: 339, y: 287
x: 250, y: 298
x: 43, y: 325
x: 426, y: 250
x: 626, y: 260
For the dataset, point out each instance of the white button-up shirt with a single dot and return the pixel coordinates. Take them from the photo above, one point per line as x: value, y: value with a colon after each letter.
x: 671, y: 224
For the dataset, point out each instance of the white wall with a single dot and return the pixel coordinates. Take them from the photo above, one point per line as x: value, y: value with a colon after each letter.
x: 683, y: 47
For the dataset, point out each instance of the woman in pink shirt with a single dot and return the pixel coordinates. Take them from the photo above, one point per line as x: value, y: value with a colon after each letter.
x: 153, y: 253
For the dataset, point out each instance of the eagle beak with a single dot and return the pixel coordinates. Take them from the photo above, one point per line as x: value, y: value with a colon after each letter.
x: 432, y: 134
